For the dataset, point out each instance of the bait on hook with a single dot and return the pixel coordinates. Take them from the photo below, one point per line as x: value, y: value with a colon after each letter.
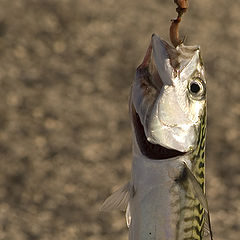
x: 174, y: 28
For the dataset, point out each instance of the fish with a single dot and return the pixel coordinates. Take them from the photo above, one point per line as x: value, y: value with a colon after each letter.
x: 165, y: 198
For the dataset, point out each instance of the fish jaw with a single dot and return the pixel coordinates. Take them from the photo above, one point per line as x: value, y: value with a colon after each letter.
x: 180, y: 137
x: 160, y: 95
x: 174, y: 122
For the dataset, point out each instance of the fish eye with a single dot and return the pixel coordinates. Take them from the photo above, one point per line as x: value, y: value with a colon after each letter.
x: 197, y: 88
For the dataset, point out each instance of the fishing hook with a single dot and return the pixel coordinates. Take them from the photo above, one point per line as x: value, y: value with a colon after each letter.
x: 174, y: 28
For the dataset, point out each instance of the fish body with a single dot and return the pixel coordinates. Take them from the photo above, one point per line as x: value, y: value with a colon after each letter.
x: 165, y: 199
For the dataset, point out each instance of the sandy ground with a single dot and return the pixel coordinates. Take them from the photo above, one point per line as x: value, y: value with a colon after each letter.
x: 65, y: 71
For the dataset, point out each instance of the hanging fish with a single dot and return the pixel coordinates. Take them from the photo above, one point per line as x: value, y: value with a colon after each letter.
x: 165, y: 199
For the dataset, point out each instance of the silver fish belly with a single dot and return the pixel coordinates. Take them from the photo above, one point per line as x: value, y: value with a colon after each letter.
x: 165, y: 198
x: 156, y: 205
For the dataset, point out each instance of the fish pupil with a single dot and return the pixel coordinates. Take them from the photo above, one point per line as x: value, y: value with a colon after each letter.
x: 195, y: 88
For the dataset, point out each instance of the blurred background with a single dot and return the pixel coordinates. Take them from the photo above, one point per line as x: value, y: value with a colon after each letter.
x: 65, y: 142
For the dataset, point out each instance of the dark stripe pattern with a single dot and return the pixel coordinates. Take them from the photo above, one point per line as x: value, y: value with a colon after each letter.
x: 198, y: 161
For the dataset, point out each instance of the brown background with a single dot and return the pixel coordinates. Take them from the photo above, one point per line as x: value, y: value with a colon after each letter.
x: 65, y: 71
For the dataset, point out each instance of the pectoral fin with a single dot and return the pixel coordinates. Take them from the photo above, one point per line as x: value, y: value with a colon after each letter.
x: 199, y: 194
x: 207, y: 231
x: 119, y: 199
x: 196, y: 188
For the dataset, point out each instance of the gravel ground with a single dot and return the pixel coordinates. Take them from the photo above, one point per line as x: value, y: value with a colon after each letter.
x: 65, y: 140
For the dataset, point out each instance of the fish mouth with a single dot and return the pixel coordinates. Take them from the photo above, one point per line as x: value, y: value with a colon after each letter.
x: 152, y: 151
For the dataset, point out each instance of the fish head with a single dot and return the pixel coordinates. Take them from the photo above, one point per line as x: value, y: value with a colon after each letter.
x: 168, y: 99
